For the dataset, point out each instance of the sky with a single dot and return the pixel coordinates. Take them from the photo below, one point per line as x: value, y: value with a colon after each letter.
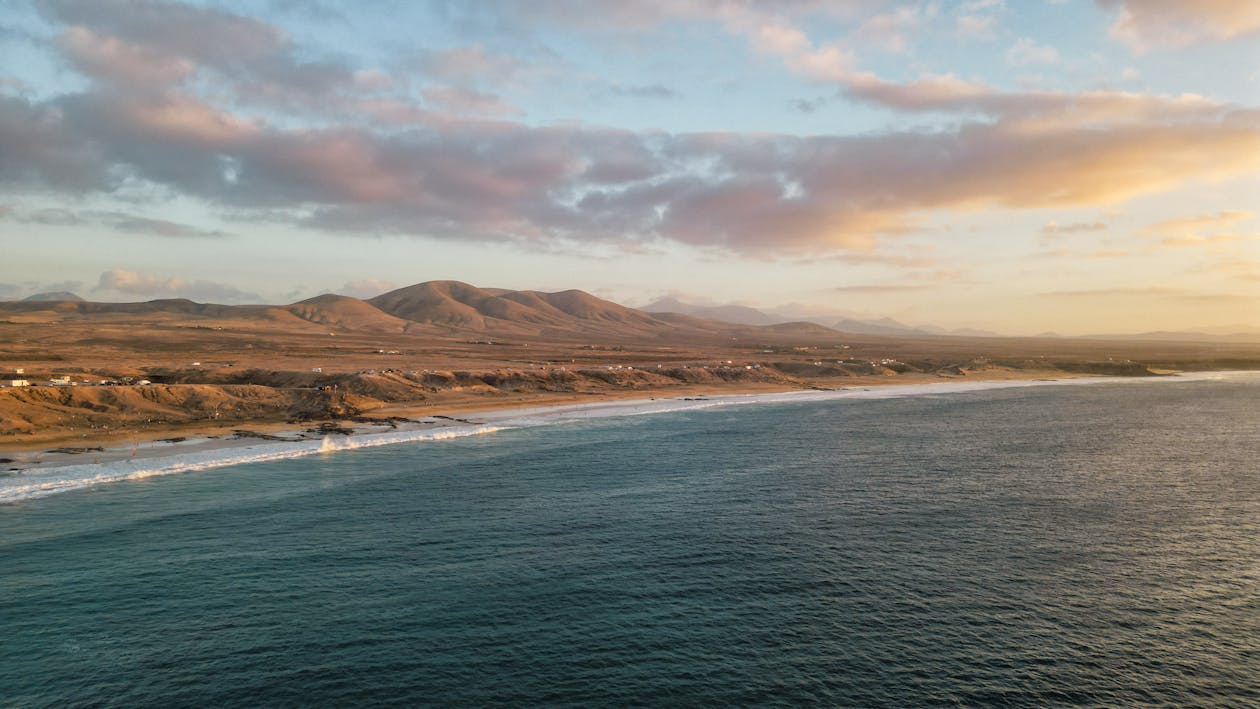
x: 1026, y: 166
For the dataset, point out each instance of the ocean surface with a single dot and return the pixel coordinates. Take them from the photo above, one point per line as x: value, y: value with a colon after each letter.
x: 1025, y: 546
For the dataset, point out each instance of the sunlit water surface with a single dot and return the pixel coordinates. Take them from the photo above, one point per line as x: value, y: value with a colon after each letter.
x: 1032, y: 546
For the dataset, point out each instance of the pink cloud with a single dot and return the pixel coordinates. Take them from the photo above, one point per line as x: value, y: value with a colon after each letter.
x: 379, y: 163
x: 114, y: 59
x: 462, y: 101
x: 1148, y: 24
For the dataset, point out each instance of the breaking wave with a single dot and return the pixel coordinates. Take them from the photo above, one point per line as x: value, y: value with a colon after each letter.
x: 42, y: 483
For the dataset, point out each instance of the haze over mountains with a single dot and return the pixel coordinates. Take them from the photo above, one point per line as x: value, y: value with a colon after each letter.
x: 740, y: 314
x: 442, y: 307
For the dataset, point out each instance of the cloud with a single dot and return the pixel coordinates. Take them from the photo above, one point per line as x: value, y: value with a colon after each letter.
x: 810, y: 105
x: 1200, y: 230
x: 42, y: 150
x: 976, y: 26
x: 118, y: 221
x: 135, y: 283
x: 658, y: 91
x: 427, y: 172
x: 891, y: 31
x: 1150, y: 24
x: 366, y: 287
x: 774, y: 34
x: 864, y: 257
x: 1180, y: 226
x: 1027, y: 51
x: 876, y: 288
x: 462, y: 101
x: 14, y: 291
x: 113, y: 59
x: 152, y: 45
x: 1078, y: 254
x: 741, y: 192
x: 474, y: 65
x: 1054, y: 229
x: 1139, y: 291
x: 55, y: 286
x: 1160, y: 292
x: 1241, y: 269
x: 977, y: 20
x: 1198, y: 241
x: 204, y: 35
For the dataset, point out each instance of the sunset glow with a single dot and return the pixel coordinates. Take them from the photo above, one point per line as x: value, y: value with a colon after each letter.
x: 1053, y: 165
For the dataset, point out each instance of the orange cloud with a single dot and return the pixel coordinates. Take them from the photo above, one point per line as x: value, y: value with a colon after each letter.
x: 1054, y: 229
x: 1181, y: 226
x: 1147, y: 24
x: 424, y: 171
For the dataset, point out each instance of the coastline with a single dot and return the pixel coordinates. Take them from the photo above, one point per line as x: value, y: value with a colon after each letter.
x: 439, y: 405
x: 39, y: 474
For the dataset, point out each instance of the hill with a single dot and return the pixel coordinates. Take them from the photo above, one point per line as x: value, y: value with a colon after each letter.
x: 54, y: 295
x: 345, y: 312
x: 456, y: 305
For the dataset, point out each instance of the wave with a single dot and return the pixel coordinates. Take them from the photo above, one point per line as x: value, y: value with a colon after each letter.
x: 32, y: 484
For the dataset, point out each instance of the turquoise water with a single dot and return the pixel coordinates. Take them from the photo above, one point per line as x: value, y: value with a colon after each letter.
x: 1095, y: 545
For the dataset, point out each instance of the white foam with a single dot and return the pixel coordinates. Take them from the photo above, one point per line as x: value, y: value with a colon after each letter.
x: 35, y: 483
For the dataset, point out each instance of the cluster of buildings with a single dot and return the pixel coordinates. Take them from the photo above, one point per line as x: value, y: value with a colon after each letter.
x: 15, y: 379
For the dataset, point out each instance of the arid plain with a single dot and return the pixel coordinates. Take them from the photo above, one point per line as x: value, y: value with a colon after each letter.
x: 442, y: 348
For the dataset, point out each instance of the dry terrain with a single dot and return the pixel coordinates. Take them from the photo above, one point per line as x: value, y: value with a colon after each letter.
x: 446, y: 347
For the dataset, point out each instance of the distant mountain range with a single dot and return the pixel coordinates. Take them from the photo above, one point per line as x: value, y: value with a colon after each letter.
x: 444, y: 308
x: 738, y: 314
x: 745, y: 315
x: 450, y: 306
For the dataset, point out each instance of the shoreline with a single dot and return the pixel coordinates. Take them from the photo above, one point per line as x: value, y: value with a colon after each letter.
x: 40, y: 474
x: 450, y: 404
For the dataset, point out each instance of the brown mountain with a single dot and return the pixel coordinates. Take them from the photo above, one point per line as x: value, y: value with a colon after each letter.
x: 459, y: 305
x: 435, y: 308
x: 344, y: 312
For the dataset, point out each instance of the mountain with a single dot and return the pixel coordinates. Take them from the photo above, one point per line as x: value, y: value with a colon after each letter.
x: 738, y: 314
x: 342, y: 311
x: 453, y: 304
x: 743, y: 315
x: 883, y: 326
x: 55, y: 295
x: 893, y: 328
x: 459, y: 310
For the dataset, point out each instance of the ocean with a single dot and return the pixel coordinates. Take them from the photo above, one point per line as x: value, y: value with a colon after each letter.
x: 1094, y: 545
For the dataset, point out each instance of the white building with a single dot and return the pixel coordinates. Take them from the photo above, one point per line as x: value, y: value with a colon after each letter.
x: 18, y: 383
